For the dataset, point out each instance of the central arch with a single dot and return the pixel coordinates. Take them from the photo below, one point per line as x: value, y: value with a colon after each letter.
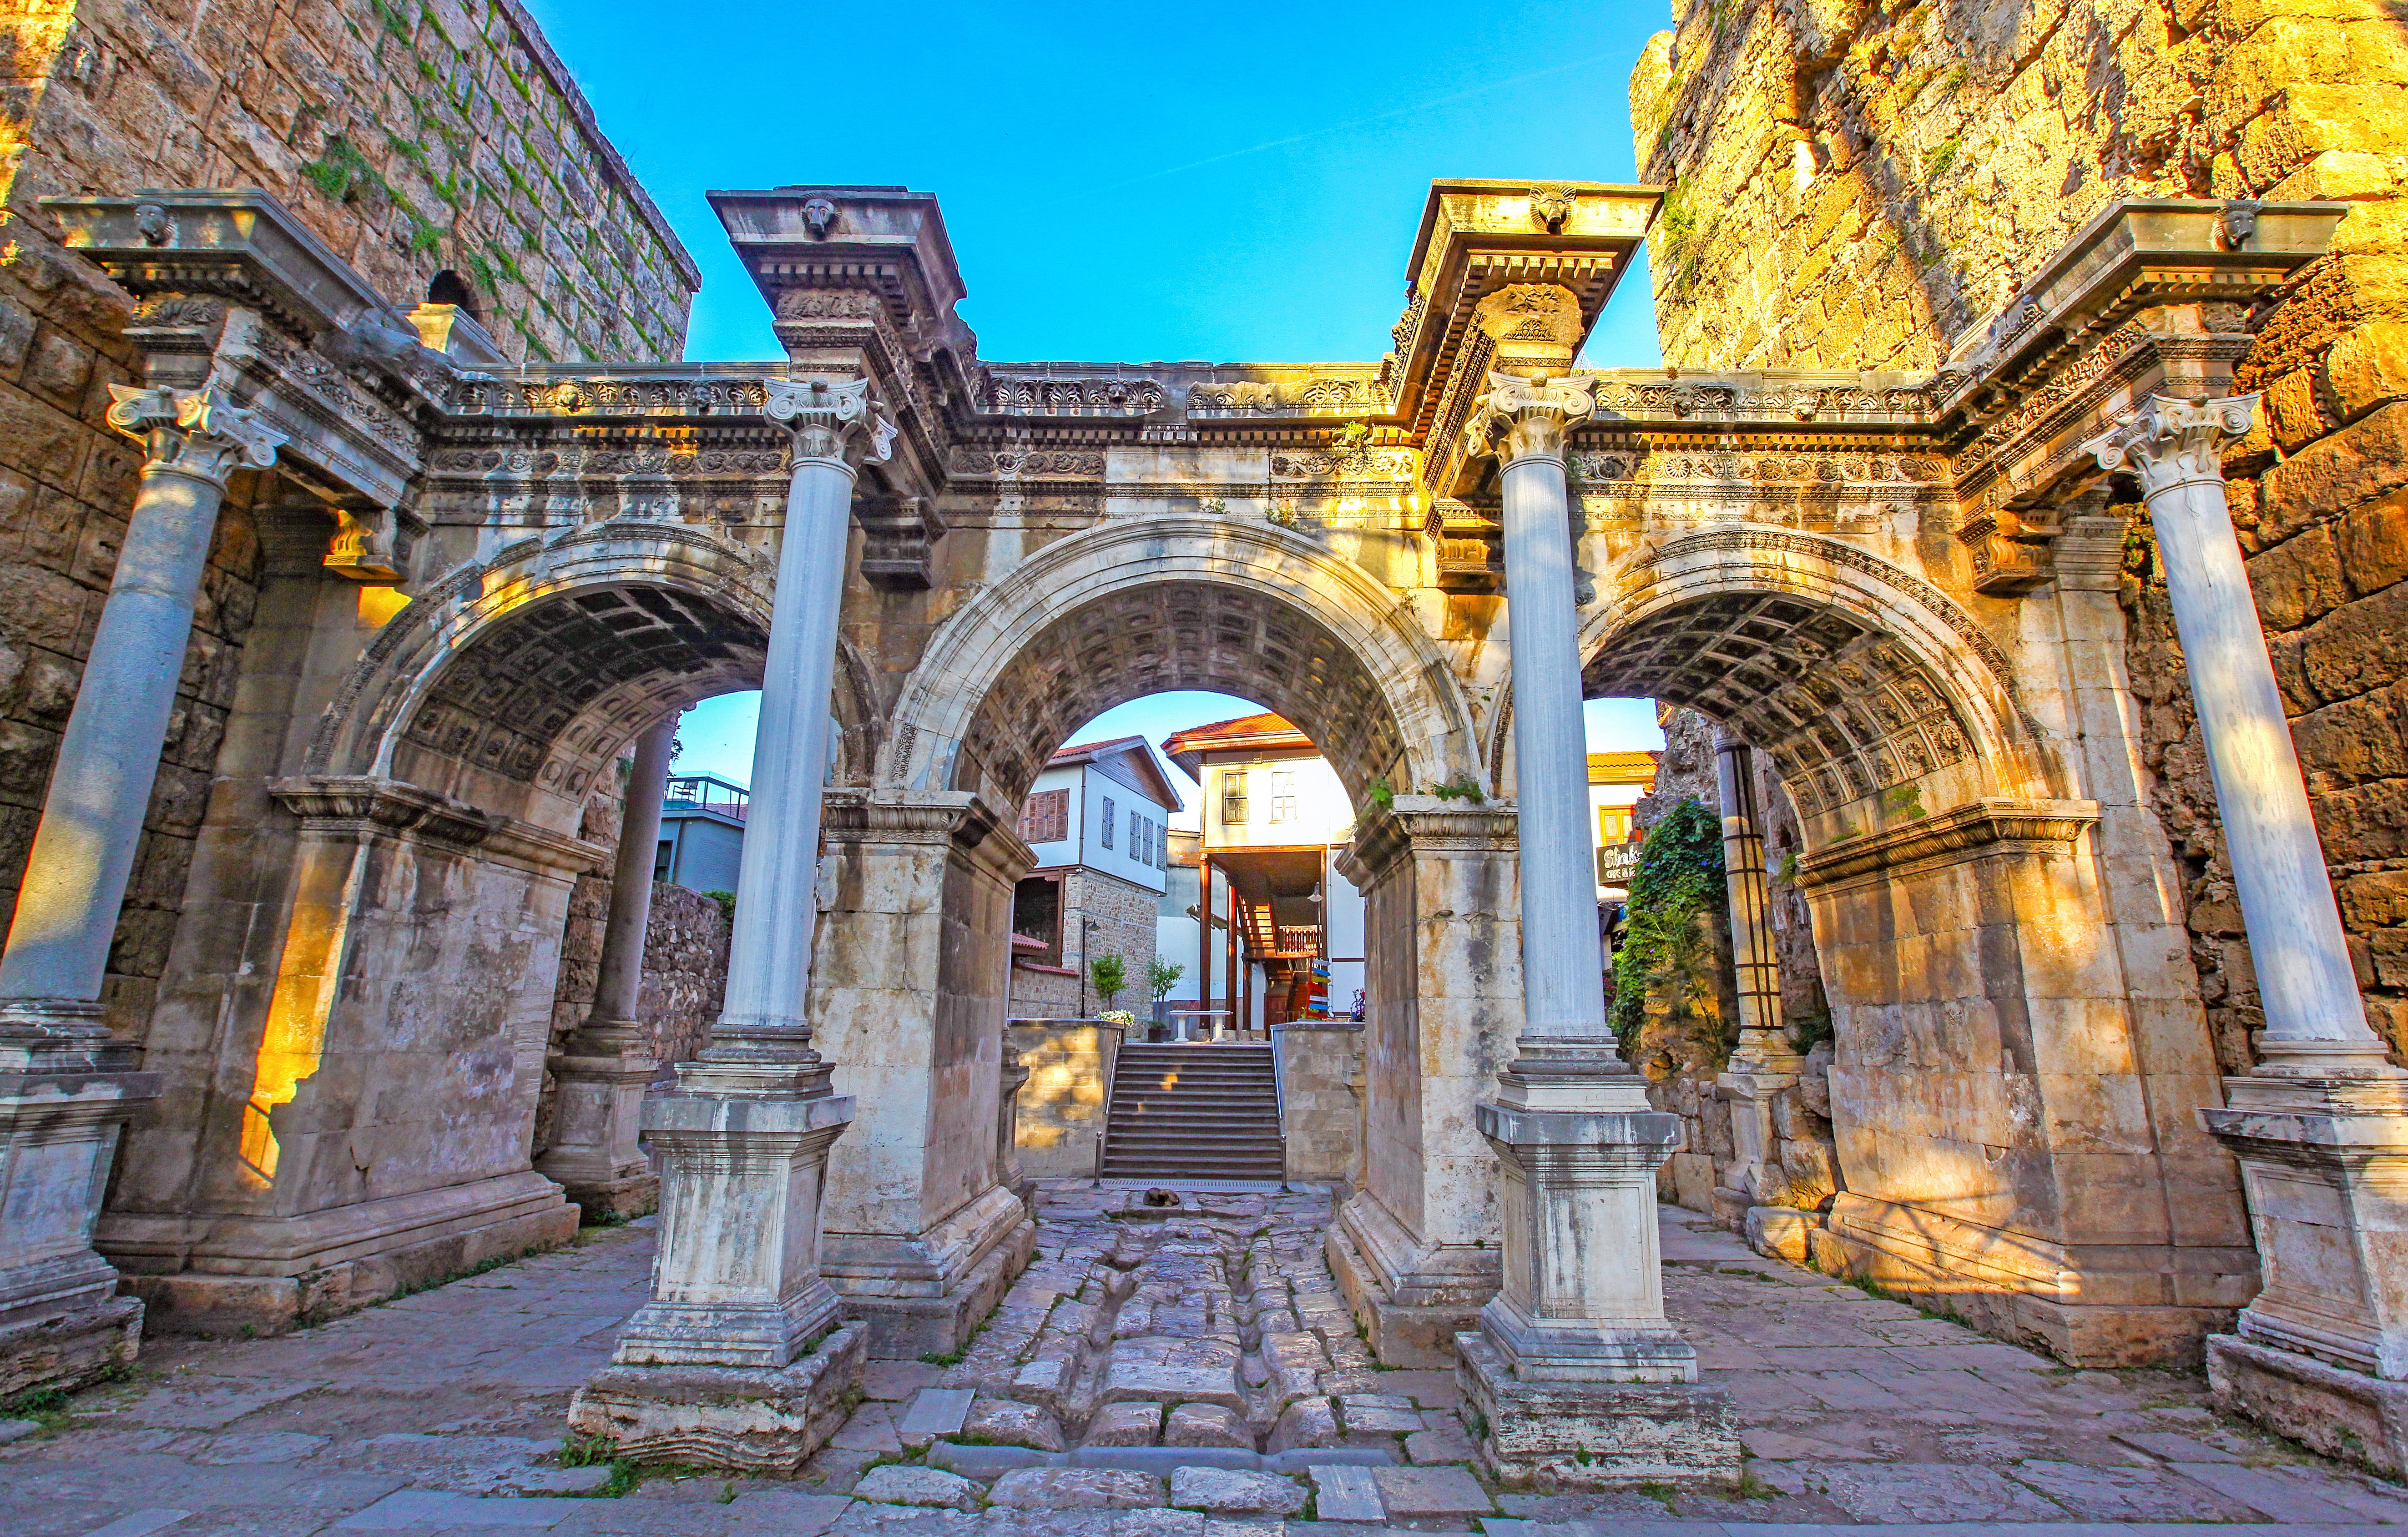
x: 1134, y: 607
x: 919, y: 1232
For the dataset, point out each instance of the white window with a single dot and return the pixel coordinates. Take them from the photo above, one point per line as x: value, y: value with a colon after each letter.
x: 1283, y: 795
x: 1233, y: 796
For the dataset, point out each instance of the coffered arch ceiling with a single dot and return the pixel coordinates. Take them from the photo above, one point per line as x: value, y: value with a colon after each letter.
x: 1168, y: 635
x: 1845, y: 709
x: 546, y: 695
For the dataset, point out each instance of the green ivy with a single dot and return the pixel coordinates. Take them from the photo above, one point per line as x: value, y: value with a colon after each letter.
x: 1665, y: 953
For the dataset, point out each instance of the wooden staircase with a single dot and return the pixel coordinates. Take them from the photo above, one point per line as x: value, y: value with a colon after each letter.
x: 1185, y: 1112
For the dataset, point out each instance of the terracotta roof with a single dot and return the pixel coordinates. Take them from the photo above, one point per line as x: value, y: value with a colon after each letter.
x: 1264, y: 731
x: 1624, y: 767
x: 1138, y: 751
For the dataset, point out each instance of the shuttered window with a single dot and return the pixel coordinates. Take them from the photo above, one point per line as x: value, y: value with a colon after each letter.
x: 1107, y: 820
x: 1046, y: 817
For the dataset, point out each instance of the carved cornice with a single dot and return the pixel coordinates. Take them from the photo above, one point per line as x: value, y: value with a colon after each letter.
x: 1427, y: 825
x: 364, y: 807
x: 960, y: 820
x: 1989, y: 827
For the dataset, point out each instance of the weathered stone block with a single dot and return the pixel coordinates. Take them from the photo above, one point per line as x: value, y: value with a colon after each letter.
x: 2342, y: 1414
x: 725, y: 1416
x: 1206, y: 1425
x: 1012, y: 1424
x: 895, y: 1485
x: 1229, y: 1491
x: 1595, y: 1435
x: 1076, y: 1489
x: 1781, y: 1232
x: 1126, y: 1425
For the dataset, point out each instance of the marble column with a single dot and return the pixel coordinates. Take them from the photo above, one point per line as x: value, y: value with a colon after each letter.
x: 2320, y: 1126
x: 739, y: 1359
x: 606, y: 1064
x: 1763, y: 1064
x: 67, y: 1086
x: 1574, y: 1354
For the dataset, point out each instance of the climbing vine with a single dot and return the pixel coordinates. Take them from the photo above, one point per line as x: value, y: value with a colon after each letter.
x: 1666, y: 954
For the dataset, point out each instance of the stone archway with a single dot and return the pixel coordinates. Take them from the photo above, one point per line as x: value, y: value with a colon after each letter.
x: 382, y: 998
x: 919, y: 1236
x: 2005, y: 1012
x: 1244, y: 607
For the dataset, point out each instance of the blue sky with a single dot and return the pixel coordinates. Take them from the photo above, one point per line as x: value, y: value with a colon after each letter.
x: 1121, y: 183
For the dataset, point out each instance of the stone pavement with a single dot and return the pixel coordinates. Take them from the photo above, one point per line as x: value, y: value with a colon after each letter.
x: 1158, y: 1372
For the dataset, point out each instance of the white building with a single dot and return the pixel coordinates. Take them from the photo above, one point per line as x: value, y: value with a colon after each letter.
x: 1098, y: 820
x: 1274, y: 815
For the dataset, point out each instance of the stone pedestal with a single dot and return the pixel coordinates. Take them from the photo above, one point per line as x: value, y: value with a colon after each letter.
x: 1578, y: 1379
x: 63, y: 1101
x: 2322, y: 1354
x: 1593, y: 1435
x: 596, y: 1154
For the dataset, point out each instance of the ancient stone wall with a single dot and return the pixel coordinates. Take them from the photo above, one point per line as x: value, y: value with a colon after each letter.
x: 1859, y: 187
x: 411, y: 139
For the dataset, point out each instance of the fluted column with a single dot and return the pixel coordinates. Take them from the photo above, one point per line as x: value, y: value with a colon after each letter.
x: 606, y: 1064
x: 66, y: 1086
x: 2320, y: 1126
x: 1763, y: 1064
x: 744, y: 1138
x: 1574, y: 1367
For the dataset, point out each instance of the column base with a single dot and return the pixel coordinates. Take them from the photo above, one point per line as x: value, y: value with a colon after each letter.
x: 1410, y: 1299
x: 2140, y: 1304
x: 755, y: 1419
x: 2331, y: 1409
x: 72, y: 1349
x: 1594, y: 1435
x: 927, y: 1296
x: 224, y: 1275
x: 596, y: 1157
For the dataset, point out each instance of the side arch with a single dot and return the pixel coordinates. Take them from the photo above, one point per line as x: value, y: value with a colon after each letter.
x: 512, y: 683
x: 1856, y: 675
x: 1350, y: 637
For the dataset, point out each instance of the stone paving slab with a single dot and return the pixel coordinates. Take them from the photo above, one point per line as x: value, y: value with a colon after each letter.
x: 443, y: 1415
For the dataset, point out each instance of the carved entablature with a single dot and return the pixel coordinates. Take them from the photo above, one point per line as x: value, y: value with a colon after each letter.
x: 702, y: 390
x: 1766, y: 400
x: 1315, y: 390
x: 1469, y: 544
x: 1043, y: 394
x: 232, y: 293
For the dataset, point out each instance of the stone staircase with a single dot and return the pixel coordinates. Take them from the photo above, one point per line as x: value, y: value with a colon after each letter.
x: 1199, y: 1112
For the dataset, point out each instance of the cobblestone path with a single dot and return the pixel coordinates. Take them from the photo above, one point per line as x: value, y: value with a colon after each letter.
x: 1158, y: 1372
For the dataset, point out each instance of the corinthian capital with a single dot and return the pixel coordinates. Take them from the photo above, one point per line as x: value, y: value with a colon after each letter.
x: 2171, y: 442
x: 1519, y: 418
x: 832, y: 419
x: 193, y: 432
